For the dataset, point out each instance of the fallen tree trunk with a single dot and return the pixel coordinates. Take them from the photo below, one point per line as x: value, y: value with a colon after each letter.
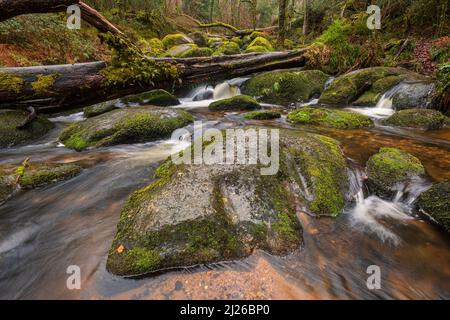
x: 63, y: 87
x: 12, y: 8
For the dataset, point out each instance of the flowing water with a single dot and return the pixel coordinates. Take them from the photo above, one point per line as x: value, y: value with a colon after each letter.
x: 44, y: 231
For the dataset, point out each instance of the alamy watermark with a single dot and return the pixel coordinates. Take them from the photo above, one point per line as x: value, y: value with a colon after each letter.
x: 374, y: 280
x: 74, y: 19
x: 74, y: 280
x: 231, y: 146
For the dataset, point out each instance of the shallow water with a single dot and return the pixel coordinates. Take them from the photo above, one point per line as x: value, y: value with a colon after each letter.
x: 44, y: 231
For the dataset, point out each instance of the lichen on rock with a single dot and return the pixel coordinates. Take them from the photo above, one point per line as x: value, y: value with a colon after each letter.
x: 262, y: 115
x: 236, y: 103
x: 158, y: 97
x: 436, y: 203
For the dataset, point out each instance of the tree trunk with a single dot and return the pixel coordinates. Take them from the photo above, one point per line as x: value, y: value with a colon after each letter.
x: 13, y: 8
x: 281, y: 22
x: 83, y: 84
x: 306, y: 18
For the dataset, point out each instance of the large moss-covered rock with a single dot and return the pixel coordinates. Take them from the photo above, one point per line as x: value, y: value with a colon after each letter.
x: 413, y: 95
x: 10, y: 136
x: 99, y: 108
x: 390, y: 168
x: 260, y: 42
x: 330, y: 118
x: 227, y: 48
x: 284, y: 87
x: 199, y: 38
x: 30, y: 175
x: 417, y: 118
x: 262, y: 115
x: 366, y: 86
x: 180, y: 50
x: 129, y: 125
x: 197, y: 52
x: 158, y: 97
x: 237, y: 103
x: 194, y: 214
x: 436, y: 203
x: 176, y: 39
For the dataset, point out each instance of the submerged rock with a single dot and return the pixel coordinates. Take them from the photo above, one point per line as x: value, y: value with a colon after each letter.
x: 285, y: 87
x: 30, y: 175
x: 390, y: 168
x: 365, y: 87
x: 158, y: 97
x: 10, y: 136
x: 330, y: 118
x: 129, y: 125
x: 236, y: 103
x: 417, y: 118
x: 99, y: 108
x: 262, y: 115
x: 194, y: 214
x: 436, y: 203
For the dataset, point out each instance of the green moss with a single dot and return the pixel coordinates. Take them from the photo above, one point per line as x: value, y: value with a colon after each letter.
x: 197, y: 52
x: 10, y: 136
x: 179, y: 50
x: 199, y: 38
x: 262, y: 115
x: 284, y: 87
x: 330, y: 118
x: 322, y: 165
x: 41, y: 174
x: 251, y: 49
x: 153, y: 47
x: 143, y: 259
x: 227, y: 48
x: 417, y: 118
x: 236, y: 103
x: 175, y: 39
x: 256, y: 34
x: 98, y: 109
x: 43, y: 83
x: 436, y: 203
x: 348, y: 88
x: 124, y: 126
x: 390, y: 167
x: 261, y: 42
x: 379, y: 87
x: 11, y: 82
x: 156, y: 97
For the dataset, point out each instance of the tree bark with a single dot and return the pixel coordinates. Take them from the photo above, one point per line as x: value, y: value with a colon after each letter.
x: 281, y: 22
x: 306, y: 18
x: 83, y: 84
x: 13, y: 8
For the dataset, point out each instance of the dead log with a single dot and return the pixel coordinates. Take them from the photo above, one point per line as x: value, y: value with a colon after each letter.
x: 12, y: 8
x: 78, y: 85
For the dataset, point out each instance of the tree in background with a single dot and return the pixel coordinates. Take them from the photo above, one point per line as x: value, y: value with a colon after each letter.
x: 281, y: 22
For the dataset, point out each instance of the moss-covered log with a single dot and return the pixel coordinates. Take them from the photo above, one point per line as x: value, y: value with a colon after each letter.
x: 65, y: 87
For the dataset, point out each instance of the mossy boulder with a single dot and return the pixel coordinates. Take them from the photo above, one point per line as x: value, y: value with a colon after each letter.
x: 227, y: 48
x: 262, y: 115
x: 176, y: 39
x: 413, y: 95
x: 389, y: 169
x: 197, y: 52
x: 330, y: 118
x: 237, y: 103
x: 417, y: 118
x: 180, y: 50
x: 256, y: 49
x: 153, y: 47
x: 30, y: 175
x: 99, y: 108
x: 199, y: 38
x: 436, y: 203
x: 195, y: 214
x: 261, y: 42
x: 364, y: 87
x: 129, y: 125
x: 285, y: 87
x: 10, y: 136
x: 158, y: 97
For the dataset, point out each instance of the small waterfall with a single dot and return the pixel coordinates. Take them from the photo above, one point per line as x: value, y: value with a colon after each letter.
x: 329, y: 82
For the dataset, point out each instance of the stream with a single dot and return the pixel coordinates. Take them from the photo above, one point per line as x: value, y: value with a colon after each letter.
x: 43, y: 231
